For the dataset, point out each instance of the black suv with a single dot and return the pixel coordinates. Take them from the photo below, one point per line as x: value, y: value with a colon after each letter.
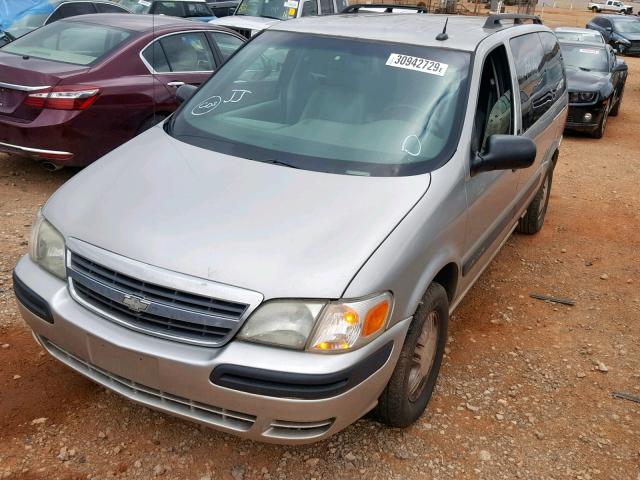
x: 622, y: 33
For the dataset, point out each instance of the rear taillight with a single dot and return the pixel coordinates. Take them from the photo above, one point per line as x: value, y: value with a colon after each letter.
x: 76, y: 97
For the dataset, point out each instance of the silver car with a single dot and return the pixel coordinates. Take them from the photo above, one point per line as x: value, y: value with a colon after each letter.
x: 282, y: 255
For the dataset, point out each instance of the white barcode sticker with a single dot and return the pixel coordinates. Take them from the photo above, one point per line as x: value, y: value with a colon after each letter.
x: 589, y: 50
x: 418, y: 64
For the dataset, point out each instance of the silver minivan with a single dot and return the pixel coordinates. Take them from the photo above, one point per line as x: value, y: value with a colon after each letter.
x: 281, y: 256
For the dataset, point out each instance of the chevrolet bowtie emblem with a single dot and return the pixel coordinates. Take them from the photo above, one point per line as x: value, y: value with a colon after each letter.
x: 135, y: 304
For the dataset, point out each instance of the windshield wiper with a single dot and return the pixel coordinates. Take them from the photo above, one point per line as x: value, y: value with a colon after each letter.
x: 278, y: 162
x: 269, y: 16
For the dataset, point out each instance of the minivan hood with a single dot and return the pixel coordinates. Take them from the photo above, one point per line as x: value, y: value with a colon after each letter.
x: 245, y: 22
x: 276, y: 230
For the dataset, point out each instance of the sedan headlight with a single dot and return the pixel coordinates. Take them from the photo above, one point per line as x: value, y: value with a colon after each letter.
x: 47, y: 248
x: 582, y: 97
x: 319, y: 326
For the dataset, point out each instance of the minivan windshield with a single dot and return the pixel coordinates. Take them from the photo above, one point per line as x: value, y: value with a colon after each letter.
x: 69, y: 42
x: 277, y: 9
x: 325, y: 104
x: 587, y: 57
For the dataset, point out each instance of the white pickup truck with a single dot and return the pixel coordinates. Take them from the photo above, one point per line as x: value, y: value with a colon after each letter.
x: 610, y: 6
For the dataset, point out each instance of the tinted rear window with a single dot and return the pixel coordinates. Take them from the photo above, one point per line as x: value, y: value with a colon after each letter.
x: 69, y: 42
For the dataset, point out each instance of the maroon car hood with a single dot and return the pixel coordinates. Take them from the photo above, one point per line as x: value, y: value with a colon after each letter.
x: 17, y: 72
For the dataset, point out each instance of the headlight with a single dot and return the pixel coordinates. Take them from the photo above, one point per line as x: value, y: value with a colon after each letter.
x: 582, y: 97
x: 283, y: 323
x: 47, y: 247
x: 333, y: 326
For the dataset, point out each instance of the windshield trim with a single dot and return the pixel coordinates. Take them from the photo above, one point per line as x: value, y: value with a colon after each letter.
x: 399, y: 170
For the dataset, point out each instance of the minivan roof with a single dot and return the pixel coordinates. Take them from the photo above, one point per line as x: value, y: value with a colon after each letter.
x: 465, y: 32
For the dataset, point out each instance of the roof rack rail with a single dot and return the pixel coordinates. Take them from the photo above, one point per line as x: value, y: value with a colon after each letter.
x: 387, y: 8
x: 494, y: 20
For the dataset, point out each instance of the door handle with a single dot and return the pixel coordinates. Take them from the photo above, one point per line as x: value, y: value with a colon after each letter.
x: 175, y: 84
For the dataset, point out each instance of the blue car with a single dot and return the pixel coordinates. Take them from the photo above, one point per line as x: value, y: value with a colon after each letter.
x: 191, y: 9
x: 19, y: 17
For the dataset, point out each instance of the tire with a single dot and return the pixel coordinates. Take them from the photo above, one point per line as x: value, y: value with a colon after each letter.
x: 599, y: 131
x: 616, y: 108
x: 151, y: 121
x: 412, y: 383
x: 533, y: 218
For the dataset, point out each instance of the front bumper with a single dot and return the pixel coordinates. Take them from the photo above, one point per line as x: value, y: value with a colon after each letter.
x: 176, y: 377
x: 576, y: 121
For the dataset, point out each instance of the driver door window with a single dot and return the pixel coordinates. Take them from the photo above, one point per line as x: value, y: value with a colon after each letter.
x: 494, y: 111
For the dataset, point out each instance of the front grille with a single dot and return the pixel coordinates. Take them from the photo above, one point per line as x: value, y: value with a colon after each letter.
x: 634, y: 47
x: 245, y: 32
x: 153, y: 308
x: 217, y: 416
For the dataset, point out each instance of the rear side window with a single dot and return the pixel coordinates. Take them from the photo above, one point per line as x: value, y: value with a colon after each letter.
x: 196, y: 9
x: 529, y: 61
x: 154, y: 55
x: 188, y: 52
x: 226, y: 43
x: 326, y: 6
x: 71, y: 10
x: 554, y: 80
x: 107, y: 8
x: 173, y: 9
x: 69, y: 42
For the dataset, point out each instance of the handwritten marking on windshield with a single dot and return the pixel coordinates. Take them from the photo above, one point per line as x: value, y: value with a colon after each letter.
x: 412, y: 145
x: 208, y: 105
x: 237, y: 95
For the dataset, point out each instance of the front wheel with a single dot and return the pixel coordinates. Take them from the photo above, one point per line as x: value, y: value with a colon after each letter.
x: 414, y: 378
x: 616, y: 108
x: 599, y: 131
x: 594, y: 9
x: 533, y: 218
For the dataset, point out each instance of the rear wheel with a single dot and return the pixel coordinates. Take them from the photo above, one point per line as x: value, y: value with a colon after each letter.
x: 414, y: 378
x: 594, y: 9
x: 533, y: 218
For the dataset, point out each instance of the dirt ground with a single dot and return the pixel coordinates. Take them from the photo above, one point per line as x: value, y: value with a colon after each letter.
x: 525, y: 390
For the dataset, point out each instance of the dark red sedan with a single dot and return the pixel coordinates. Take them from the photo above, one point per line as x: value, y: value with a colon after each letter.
x: 74, y: 90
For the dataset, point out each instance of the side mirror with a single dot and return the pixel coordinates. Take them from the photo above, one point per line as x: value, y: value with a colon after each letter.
x: 5, y: 39
x: 185, y: 92
x: 620, y: 66
x: 504, y: 152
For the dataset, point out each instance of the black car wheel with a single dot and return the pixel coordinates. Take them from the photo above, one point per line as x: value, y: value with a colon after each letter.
x: 599, y: 131
x: 616, y: 108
